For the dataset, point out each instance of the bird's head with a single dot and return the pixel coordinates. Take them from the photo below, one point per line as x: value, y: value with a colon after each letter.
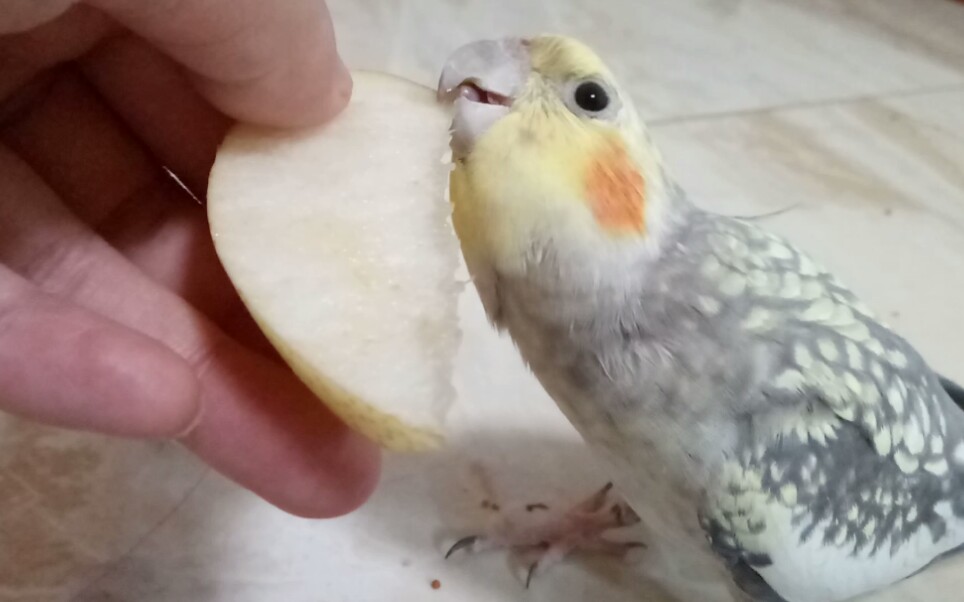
x: 550, y: 156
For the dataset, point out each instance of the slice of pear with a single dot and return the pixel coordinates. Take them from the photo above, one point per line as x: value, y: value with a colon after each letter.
x: 339, y: 241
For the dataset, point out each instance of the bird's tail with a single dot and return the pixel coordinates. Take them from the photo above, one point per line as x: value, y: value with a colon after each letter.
x: 955, y: 390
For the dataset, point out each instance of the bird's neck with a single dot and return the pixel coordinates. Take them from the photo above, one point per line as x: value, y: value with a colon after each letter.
x: 566, y: 286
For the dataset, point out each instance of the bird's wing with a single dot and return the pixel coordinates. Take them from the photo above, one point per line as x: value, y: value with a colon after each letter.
x: 850, y: 473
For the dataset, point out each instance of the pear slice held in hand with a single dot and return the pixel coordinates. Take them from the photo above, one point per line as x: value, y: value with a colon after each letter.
x: 338, y: 239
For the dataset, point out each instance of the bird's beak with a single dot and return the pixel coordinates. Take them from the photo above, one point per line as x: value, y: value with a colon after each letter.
x: 482, y: 79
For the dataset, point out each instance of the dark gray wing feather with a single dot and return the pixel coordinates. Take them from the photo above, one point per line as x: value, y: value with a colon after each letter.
x: 953, y: 389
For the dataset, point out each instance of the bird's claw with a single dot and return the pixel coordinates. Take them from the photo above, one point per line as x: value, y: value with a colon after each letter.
x: 465, y: 542
x: 552, y: 540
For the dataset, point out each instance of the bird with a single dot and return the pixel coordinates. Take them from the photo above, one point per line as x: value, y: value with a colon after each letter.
x: 768, y: 429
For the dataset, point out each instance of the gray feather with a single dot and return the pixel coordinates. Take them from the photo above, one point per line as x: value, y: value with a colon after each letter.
x: 726, y: 366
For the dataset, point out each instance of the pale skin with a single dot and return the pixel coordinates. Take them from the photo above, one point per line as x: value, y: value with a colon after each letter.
x: 115, y: 315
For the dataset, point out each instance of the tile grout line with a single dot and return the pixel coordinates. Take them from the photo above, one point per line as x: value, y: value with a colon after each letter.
x: 815, y: 104
x: 112, y: 566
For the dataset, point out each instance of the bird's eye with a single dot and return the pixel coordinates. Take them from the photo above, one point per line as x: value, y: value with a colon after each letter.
x: 591, y: 97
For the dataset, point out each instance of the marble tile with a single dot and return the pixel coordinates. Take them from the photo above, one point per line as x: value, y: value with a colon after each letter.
x: 744, y: 95
x: 687, y: 57
x: 72, y: 503
x: 931, y: 28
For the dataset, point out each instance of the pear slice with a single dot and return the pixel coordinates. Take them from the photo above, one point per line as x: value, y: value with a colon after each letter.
x: 339, y: 241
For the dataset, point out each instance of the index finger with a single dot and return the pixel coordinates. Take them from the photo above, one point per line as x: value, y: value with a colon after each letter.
x: 274, y: 63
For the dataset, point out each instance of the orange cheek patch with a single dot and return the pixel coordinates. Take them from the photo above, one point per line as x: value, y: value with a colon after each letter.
x: 616, y: 191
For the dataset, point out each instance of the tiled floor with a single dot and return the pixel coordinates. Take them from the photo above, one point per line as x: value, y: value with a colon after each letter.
x: 850, y: 112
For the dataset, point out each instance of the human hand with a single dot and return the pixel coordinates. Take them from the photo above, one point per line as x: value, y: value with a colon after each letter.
x: 115, y: 315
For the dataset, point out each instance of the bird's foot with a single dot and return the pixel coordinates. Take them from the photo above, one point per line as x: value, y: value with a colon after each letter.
x: 547, y: 542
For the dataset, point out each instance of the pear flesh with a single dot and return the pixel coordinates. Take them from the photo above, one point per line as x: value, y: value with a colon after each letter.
x: 339, y: 241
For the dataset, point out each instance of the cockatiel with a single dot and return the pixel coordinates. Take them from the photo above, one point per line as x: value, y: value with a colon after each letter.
x: 767, y: 429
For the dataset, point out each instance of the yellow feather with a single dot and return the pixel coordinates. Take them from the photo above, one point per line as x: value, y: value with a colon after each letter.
x: 563, y: 58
